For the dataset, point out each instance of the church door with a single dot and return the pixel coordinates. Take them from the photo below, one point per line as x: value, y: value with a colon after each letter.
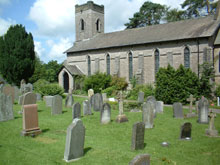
x: 66, y: 82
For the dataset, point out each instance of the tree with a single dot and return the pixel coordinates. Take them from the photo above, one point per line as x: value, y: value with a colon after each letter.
x: 52, y: 69
x: 175, y: 15
x: 197, y: 8
x: 17, y: 55
x: 149, y: 14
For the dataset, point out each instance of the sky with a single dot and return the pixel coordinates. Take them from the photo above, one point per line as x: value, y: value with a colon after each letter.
x: 52, y: 22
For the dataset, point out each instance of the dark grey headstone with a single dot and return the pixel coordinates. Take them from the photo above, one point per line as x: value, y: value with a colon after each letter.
x: 185, y: 131
x: 6, y: 107
x: 148, y: 114
x: 105, y: 114
x: 178, y: 110
x: 91, y: 101
x: 159, y: 106
x: 98, y: 102
x: 48, y: 100
x: 86, y: 108
x: 153, y: 99
x: 142, y: 159
x: 76, y: 110
x: 74, y: 140
x: 57, y: 105
x: 141, y: 97
x: 203, y: 107
x: 137, y: 141
x: 69, y: 101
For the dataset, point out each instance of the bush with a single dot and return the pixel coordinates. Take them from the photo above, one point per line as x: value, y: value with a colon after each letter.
x: 217, y: 91
x: 110, y: 91
x: 97, y: 82
x: 147, y: 89
x: 45, y: 88
x: 79, y: 82
x: 79, y: 92
x: 119, y: 83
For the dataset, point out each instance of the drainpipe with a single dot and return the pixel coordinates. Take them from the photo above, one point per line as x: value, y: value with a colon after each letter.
x: 198, y: 54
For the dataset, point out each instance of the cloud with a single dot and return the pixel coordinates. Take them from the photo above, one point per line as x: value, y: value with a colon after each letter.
x: 39, y: 48
x: 57, y: 49
x: 5, y: 24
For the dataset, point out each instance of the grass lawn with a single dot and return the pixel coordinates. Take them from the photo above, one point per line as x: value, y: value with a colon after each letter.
x: 107, y: 144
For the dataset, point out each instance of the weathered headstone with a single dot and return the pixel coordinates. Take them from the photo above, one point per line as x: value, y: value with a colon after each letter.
x: 185, y: 131
x: 17, y: 92
x: 38, y: 95
x: 90, y: 93
x: 121, y: 117
x: 57, y: 105
x: 98, y: 102
x: 75, y: 138
x: 76, y: 110
x: 138, y: 131
x: 159, y: 106
x: 148, y: 114
x: 91, y: 101
x: 69, y: 101
x: 29, y: 98
x: 20, y: 99
x: 104, y: 96
x: 141, y: 97
x: 22, y: 86
x: 48, y: 100
x: 30, y: 120
x: 178, y: 110
x: 6, y: 107
x: 105, y: 114
x: 190, y: 114
x: 9, y: 90
x: 86, y: 108
x: 212, y: 131
x: 28, y: 88
x: 152, y: 99
x: 142, y: 159
x: 197, y: 107
x: 203, y: 110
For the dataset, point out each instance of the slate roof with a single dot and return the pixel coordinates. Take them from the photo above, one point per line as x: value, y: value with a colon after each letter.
x: 186, y: 29
x: 72, y: 69
x: 217, y: 40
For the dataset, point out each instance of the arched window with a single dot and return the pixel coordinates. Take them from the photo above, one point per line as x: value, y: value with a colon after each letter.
x: 186, y: 57
x: 89, y: 66
x: 130, y: 65
x: 82, y: 24
x: 98, y: 25
x: 157, y: 60
x: 108, y: 64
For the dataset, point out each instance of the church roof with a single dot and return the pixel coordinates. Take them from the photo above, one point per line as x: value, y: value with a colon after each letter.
x: 72, y: 69
x: 186, y: 29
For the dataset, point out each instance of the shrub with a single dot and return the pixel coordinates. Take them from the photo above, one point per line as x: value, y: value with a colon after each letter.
x: 39, y: 84
x: 217, y: 91
x: 97, y: 82
x: 119, y: 83
x: 79, y: 92
x: 79, y: 82
x: 110, y: 90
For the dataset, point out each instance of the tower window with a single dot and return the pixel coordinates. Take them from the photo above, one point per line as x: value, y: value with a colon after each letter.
x: 98, y: 25
x: 82, y: 24
x: 187, y: 57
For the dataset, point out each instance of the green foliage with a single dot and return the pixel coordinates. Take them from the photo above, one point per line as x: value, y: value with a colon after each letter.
x: 175, y: 15
x: 119, y: 83
x: 176, y: 86
x: 147, y: 89
x: 17, y: 55
x: 149, y: 14
x: 131, y: 105
x: 133, y: 82
x: 97, y: 82
x: 79, y: 81
x: 217, y: 91
x: 79, y: 92
x: 206, y: 81
x: 45, y: 88
x: 112, y: 90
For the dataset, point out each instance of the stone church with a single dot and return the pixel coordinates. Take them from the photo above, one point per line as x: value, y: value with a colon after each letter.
x: 139, y: 52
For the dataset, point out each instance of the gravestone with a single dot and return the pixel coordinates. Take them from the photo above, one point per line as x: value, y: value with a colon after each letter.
x: 105, y: 114
x: 159, y: 106
x: 9, y: 90
x: 98, y: 102
x: 38, y: 95
x: 6, y: 107
x: 203, y: 107
x: 48, y: 100
x: 104, y: 96
x: 29, y: 98
x: 141, y: 97
x: 69, y: 101
x: 75, y: 138
x: 197, y: 107
x: 20, y: 99
x: 57, y: 105
x: 137, y: 141
x: 178, y: 110
x: 152, y: 99
x: 212, y: 131
x: 142, y: 159
x: 148, y: 114
x: 28, y: 88
x: 22, y: 86
x: 17, y: 92
x: 86, y: 108
x: 91, y: 101
x: 121, y: 117
x: 30, y: 120
x: 190, y: 114
x: 185, y: 131
x: 76, y: 110
x: 90, y: 93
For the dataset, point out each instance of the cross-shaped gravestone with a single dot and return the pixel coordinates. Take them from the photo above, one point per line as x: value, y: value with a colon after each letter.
x: 121, y: 117
x: 212, y: 131
x: 191, y: 99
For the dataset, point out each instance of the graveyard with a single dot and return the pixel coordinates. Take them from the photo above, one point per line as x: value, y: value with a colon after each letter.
x: 107, y: 143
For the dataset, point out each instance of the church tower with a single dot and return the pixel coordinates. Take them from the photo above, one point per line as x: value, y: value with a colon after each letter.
x: 89, y: 20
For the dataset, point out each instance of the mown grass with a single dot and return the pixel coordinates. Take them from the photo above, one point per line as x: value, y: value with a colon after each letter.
x: 107, y: 144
